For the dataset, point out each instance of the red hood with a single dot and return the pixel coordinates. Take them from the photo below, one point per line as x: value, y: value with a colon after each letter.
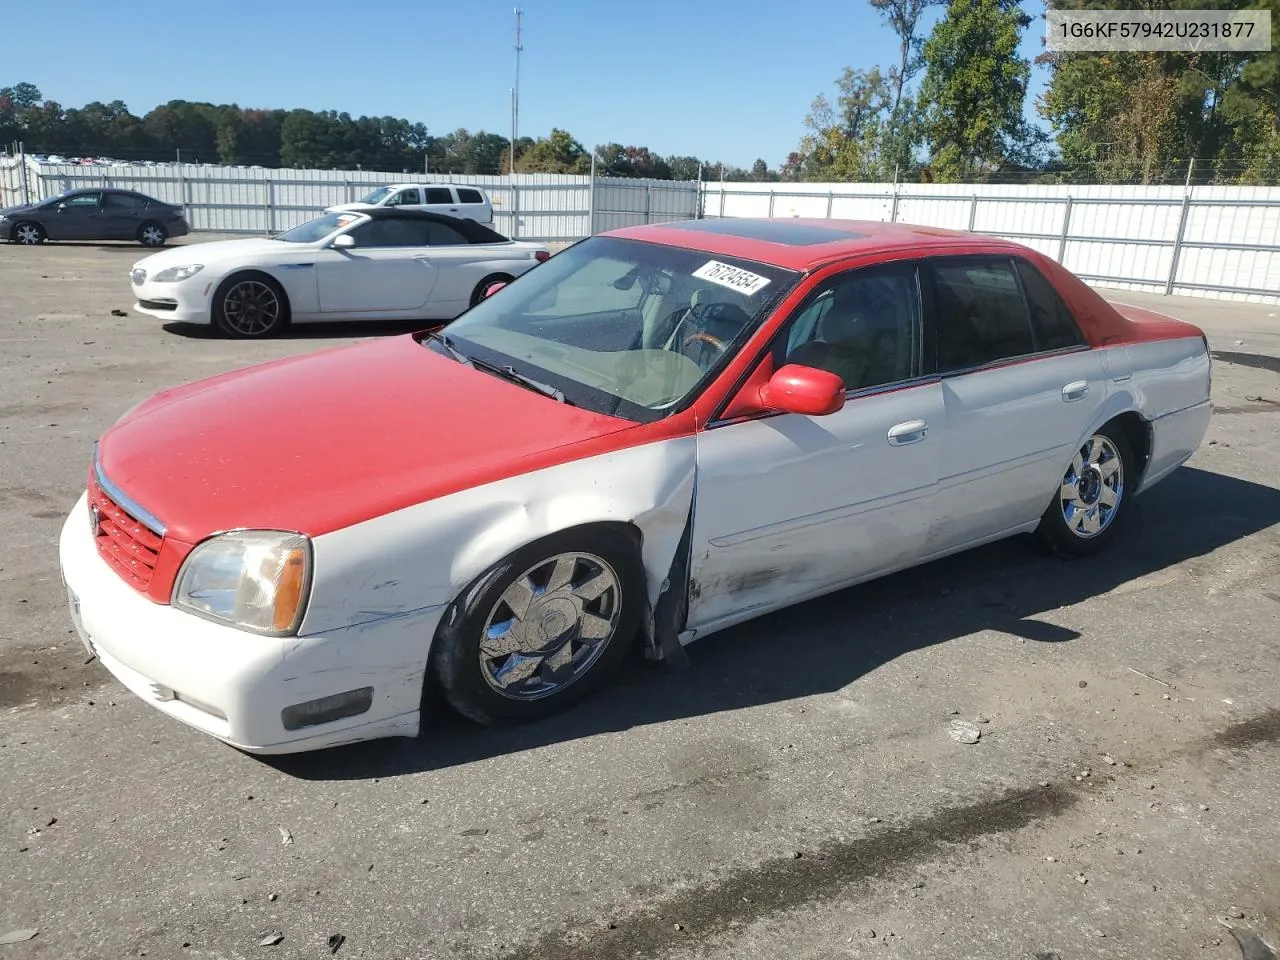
x: 321, y: 441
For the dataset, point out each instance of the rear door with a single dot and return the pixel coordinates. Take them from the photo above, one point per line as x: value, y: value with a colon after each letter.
x: 1020, y: 385
x: 121, y: 214
x: 388, y: 271
x: 440, y: 200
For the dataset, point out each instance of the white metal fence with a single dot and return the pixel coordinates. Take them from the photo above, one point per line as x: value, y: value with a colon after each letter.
x: 258, y: 201
x: 1221, y: 242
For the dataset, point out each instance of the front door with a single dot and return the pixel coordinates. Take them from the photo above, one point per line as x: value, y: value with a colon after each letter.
x: 76, y: 217
x: 389, y: 270
x: 791, y: 506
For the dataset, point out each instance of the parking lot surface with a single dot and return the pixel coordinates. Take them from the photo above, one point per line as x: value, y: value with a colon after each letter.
x: 795, y: 793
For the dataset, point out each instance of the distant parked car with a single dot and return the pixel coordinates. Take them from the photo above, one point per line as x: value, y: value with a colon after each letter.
x: 469, y: 203
x: 389, y: 264
x: 94, y: 215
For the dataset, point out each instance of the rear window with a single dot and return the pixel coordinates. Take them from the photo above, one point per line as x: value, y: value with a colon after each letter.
x: 470, y: 196
x: 439, y: 195
x: 1051, y: 322
x: 123, y: 201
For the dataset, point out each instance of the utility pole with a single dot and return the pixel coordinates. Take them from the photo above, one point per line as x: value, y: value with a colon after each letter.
x: 515, y: 94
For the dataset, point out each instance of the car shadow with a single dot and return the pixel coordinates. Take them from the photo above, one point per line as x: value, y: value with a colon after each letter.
x: 345, y: 330
x: 832, y: 641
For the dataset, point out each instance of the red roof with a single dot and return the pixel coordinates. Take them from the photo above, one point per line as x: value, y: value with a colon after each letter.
x: 803, y: 244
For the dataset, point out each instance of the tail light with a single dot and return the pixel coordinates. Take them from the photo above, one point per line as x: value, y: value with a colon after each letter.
x: 542, y: 256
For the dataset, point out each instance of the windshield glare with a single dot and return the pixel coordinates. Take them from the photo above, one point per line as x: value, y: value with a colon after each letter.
x: 316, y: 230
x: 623, y: 327
x: 377, y: 195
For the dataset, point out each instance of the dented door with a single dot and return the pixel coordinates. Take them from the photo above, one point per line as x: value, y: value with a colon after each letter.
x: 788, y: 506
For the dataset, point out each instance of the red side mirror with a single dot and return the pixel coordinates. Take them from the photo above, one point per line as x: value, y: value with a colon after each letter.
x: 493, y: 288
x: 804, y: 390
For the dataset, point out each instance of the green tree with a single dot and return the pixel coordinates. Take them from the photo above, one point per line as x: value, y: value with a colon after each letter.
x: 685, y: 168
x: 974, y: 87
x: 557, y: 153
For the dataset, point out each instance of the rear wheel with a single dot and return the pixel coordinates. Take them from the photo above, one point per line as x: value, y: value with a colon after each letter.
x: 152, y: 234
x: 1092, y: 496
x: 27, y: 233
x: 250, y: 306
x: 478, y: 293
x: 543, y: 628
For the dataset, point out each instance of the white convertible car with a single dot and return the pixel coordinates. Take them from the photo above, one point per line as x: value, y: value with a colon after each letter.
x: 377, y: 264
x: 660, y: 433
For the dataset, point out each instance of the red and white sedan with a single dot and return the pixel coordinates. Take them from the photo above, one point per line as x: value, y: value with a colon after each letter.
x: 659, y: 433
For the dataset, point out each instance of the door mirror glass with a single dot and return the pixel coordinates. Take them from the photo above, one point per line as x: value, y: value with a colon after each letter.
x: 344, y: 242
x: 804, y: 390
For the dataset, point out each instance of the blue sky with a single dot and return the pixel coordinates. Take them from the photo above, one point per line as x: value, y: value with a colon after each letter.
x: 722, y: 81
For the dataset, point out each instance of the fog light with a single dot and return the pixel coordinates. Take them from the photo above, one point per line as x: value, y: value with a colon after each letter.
x: 327, y: 709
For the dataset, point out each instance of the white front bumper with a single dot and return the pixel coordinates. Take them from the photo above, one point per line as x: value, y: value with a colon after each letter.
x: 191, y: 299
x: 232, y: 684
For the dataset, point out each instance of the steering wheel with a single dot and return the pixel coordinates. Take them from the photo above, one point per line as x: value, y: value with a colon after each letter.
x: 701, y: 346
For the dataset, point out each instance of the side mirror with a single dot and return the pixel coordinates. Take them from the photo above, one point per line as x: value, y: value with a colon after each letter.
x: 492, y: 288
x: 344, y: 242
x: 804, y: 390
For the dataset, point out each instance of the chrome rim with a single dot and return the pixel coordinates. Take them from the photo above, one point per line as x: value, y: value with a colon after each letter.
x: 152, y: 236
x: 550, y: 626
x: 1092, y: 488
x: 28, y: 233
x: 251, y: 307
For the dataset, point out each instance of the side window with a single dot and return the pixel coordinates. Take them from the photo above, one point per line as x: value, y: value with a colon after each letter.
x: 863, y: 326
x: 390, y: 232
x: 1051, y: 322
x: 441, y: 195
x: 82, y: 201
x: 443, y: 235
x: 405, y: 197
x: 470, y: 196
x: 980, y: 313
x: 123, y: 202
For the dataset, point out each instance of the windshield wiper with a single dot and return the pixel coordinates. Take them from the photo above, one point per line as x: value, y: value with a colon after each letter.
x: 507, y: 372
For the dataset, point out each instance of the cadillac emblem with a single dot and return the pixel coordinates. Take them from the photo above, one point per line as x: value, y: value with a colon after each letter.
x: 95, y: 520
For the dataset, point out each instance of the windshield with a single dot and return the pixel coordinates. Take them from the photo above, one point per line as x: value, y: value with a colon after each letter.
x: 316, y: 230
x: 377, y: 196
x: 622, y: 327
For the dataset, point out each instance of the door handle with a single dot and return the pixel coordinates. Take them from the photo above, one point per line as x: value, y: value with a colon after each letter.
x: 913, y: 431
x: 1075, y: 391
x: 423, y: 258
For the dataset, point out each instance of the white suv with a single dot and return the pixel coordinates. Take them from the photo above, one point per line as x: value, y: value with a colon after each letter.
x: 453, y: 200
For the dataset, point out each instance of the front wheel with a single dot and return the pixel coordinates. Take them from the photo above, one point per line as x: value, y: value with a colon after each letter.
x: 250, y: 306
x: 28, y: 234
x: 543, y: 628
x: 1092, y: 496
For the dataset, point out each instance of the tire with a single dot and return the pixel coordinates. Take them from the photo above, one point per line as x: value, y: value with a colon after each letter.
x: 478, y: 293
x: 1092, y: 497
x: 250, y: 306
x: 28, y: 233
x: 492, y: 683
x: 152, y: 234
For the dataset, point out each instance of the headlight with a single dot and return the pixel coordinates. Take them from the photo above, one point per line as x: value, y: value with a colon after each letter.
x: 174, y: 274
x: 255, y: 580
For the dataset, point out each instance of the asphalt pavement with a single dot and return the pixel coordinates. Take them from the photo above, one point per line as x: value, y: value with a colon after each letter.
x: 796, y: 793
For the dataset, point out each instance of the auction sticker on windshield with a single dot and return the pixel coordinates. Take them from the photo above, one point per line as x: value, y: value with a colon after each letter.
x: 735, y: 278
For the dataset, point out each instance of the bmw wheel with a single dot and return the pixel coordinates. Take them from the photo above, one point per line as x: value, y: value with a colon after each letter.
x: 250, y: 306
x: 543, y: 628
x: 1092, y: 495
x: 27, y: 233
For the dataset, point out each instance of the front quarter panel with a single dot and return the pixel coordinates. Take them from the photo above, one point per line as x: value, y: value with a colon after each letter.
x: 424, y: 556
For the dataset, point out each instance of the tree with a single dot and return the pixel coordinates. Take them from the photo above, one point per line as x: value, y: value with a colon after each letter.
x: 974, y: 87
x: 685, y: 168
x: 557, y: 153
x: 845, y: 141
x: 902, y: 134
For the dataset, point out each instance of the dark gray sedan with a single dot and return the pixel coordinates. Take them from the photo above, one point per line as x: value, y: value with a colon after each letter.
x: 94, y: 215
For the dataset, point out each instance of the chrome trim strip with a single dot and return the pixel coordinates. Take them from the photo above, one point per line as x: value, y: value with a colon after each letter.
x: 124, y: 501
